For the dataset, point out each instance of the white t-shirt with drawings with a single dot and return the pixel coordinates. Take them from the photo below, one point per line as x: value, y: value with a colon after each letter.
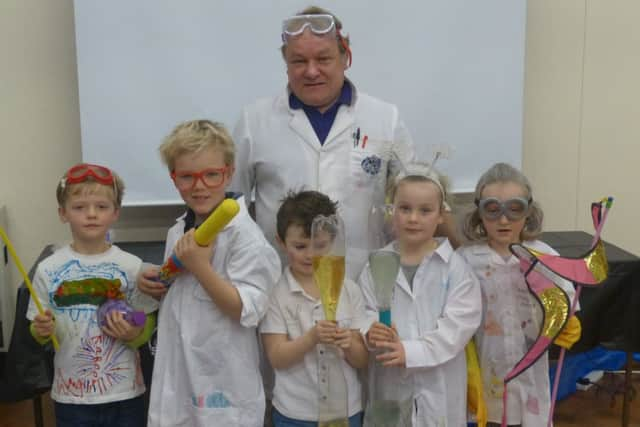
x: 90, y: 367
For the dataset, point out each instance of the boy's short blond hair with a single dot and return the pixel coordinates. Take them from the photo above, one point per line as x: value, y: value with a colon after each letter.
x: 194, y: 136
x: 114, y: 191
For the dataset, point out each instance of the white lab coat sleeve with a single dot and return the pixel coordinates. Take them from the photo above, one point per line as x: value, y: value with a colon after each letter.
x: 403, y: 146
x: 253, y: 269
x: 244, y: 176
x: 459, y: 320
x: 143, y: 302
x: 138, y: 299
x: 365, y: 283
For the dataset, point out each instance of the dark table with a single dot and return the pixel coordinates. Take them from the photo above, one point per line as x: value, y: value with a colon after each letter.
x: 609, y: 312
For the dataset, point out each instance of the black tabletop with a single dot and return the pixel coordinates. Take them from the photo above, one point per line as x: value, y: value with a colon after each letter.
x: 610, y: 312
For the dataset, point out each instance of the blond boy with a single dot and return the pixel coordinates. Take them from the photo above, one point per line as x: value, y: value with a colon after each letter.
x: 206, y: 369
x: 97, y: 378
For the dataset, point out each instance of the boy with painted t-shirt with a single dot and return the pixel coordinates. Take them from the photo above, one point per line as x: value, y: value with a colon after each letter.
x: 97, y: 379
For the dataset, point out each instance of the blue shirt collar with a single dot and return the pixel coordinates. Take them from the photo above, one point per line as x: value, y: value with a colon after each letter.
x: 345, y: 98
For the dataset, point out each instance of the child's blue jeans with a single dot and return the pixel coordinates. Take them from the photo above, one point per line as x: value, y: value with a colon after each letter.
x: 124, y: 413
x: 280, y: 420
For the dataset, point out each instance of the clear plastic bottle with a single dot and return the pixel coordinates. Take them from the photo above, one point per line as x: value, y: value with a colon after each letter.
x: 136, y: 318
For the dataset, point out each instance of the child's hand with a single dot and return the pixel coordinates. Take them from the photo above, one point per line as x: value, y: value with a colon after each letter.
x: 193, y: 256
x: 394, y: 356
x: 43, y: 324
x: 380, y: 332
x: 118, y: 328
x: 325, y: 332
x: 343, y: 338
x: 147, y: 281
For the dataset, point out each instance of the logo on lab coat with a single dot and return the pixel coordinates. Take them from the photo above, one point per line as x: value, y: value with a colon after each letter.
x: 371, y: 164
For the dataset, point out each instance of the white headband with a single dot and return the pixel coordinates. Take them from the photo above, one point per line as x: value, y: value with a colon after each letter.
x: 423, y: 170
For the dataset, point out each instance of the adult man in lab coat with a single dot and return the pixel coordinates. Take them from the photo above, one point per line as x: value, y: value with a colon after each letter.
x: 320, y: 134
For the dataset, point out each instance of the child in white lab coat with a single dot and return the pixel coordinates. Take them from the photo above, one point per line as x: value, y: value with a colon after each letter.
x: 206, y: 368
x: 506, y: 213
x: 436, y: 305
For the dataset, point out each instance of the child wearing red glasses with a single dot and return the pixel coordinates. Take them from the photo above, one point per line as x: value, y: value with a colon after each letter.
x: 206, y: 369
x: 97, y: 379
x: 506, y: 213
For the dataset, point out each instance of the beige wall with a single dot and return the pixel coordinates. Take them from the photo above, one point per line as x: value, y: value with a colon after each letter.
x: 582, y: 112
x: 39, y: 119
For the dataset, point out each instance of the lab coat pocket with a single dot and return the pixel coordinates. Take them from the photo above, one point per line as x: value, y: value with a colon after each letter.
x: 364, y: 188
x: 365, y: 168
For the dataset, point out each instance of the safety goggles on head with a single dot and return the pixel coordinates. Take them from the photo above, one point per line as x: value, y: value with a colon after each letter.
x: 80, y: 173
x: 514, y: 209
x: 84, y: 171
x: 318, y: 24
x: 211, y: 178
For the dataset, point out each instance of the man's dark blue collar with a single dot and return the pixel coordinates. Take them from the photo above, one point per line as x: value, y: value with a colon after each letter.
x: 345, y: 98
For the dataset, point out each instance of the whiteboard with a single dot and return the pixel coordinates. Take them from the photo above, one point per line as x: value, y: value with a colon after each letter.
x: 454, y: 68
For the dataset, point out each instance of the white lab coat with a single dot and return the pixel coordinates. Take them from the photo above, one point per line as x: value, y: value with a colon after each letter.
x: 206, y: 367
x: 511, y: 321
x: 435, y: 322
x: 278, y: 151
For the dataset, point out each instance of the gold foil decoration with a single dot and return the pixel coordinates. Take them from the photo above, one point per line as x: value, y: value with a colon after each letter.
x: 556, y: 309
x: 597, y: 263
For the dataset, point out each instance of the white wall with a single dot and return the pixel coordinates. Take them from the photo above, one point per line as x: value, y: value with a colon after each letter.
x: 581, y: 113
x: 453, y: 68
x: 580, y: 117
x: 39, y: 119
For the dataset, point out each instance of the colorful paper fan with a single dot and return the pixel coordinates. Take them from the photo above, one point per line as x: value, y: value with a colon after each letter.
x: 542, y: 272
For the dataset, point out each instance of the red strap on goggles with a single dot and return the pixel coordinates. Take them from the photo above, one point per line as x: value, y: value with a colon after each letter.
x: 80, y: 173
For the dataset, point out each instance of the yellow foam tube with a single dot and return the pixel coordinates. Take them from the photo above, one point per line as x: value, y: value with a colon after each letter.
x: 218, y: 219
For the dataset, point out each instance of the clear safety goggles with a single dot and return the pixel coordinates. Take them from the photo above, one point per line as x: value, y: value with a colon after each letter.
x: 514, y: 209
x: 318, y: 24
